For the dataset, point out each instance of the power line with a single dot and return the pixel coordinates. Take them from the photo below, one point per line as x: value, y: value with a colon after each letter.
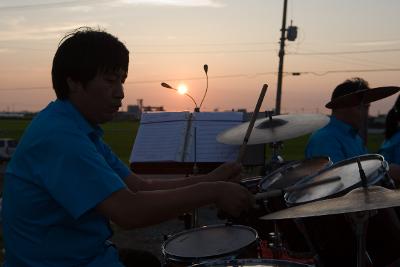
x: 208, y: 52
x: 346, y: 52
x: 205, y: 44
x: 250, y: 76
x: 344, y: 71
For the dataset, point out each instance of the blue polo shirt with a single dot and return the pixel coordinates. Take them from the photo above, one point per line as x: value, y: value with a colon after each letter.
x: 337, y: 139
x: 60, y: 171
x: 390, y: 149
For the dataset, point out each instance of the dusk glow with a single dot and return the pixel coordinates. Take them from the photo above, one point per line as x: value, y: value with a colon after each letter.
x: 171, y: 40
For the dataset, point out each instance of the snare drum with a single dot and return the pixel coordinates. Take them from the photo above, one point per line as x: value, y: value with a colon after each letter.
x: 250, y: 262
x: 210, y: 243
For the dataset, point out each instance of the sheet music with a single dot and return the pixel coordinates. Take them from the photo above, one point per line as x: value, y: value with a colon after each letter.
x: 161, y: 137
x: 208, y: 126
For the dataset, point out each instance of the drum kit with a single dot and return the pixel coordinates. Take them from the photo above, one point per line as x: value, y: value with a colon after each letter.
x: 309, y: 212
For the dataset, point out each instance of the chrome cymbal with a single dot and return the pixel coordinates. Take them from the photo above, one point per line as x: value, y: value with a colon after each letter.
x: 278, y: 128
x: 363, y: 96
x: 359, y: 199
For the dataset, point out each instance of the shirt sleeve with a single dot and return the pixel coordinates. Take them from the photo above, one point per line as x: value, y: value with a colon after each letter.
x: 75, y: 174
x: 114, y: 162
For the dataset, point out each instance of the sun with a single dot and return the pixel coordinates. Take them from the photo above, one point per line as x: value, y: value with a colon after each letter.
x: 182, y: 89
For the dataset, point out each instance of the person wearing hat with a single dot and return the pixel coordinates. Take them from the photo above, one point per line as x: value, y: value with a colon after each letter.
x: 342, y: 137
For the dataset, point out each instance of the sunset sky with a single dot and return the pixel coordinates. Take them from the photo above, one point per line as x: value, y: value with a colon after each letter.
x: 171, y: 40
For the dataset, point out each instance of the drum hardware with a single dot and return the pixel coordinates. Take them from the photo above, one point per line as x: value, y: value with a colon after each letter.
x: 363, y: 177
x: 359, y: 222
x: 293, y: 188
x: 276, y: 160
x: 275, y: 244
x: 359, y: 204
x: 251, y: 263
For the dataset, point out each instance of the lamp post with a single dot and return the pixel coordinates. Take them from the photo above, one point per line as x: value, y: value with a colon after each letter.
x: 166, y: 85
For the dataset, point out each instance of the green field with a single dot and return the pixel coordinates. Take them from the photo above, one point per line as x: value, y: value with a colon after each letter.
x: 121, y: 135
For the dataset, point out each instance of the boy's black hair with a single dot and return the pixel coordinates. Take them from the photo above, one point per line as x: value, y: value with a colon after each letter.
x: 82, y: 54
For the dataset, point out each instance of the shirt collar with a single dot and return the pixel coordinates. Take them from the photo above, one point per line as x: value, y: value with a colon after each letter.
x: 341, y: 125
x: 83, y: 124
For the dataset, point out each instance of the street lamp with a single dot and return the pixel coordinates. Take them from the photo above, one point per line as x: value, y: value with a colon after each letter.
x: 182, y: 91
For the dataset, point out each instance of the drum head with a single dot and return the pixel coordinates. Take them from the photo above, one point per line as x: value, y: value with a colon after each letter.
x: 373, y: 165
x: 250, y: 262
x: 293, y: 172
x: 209, y: 241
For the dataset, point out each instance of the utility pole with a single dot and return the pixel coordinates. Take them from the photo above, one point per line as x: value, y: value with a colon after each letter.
x: 281, y: 55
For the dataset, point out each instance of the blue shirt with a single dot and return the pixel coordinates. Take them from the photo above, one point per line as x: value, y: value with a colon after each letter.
x: 390, y: 149
x: 337, y: 139
x: 59, y: 172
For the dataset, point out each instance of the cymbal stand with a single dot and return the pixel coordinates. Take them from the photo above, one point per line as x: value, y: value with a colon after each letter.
x: 275, y: 243
x: 276, y: 160
x: 360, y: 222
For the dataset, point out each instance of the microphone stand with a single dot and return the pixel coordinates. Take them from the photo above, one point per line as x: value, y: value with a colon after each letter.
x: 195, y: 214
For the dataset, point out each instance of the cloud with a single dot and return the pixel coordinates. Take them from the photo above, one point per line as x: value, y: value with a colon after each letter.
x: 86, y: 5
x: 22, y: 32
x: 183, y: 3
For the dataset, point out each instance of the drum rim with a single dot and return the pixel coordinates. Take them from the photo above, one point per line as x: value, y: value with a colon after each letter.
x: 180, y: 258
x: 290, y: 164
x: 251, y: 260
x: 334, y: 166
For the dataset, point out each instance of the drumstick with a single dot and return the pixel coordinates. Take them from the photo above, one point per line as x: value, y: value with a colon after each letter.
x: 279, y: 192
x: 251, y: 124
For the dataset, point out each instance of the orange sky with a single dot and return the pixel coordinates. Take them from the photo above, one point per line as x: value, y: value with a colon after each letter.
x: 171, y: 40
